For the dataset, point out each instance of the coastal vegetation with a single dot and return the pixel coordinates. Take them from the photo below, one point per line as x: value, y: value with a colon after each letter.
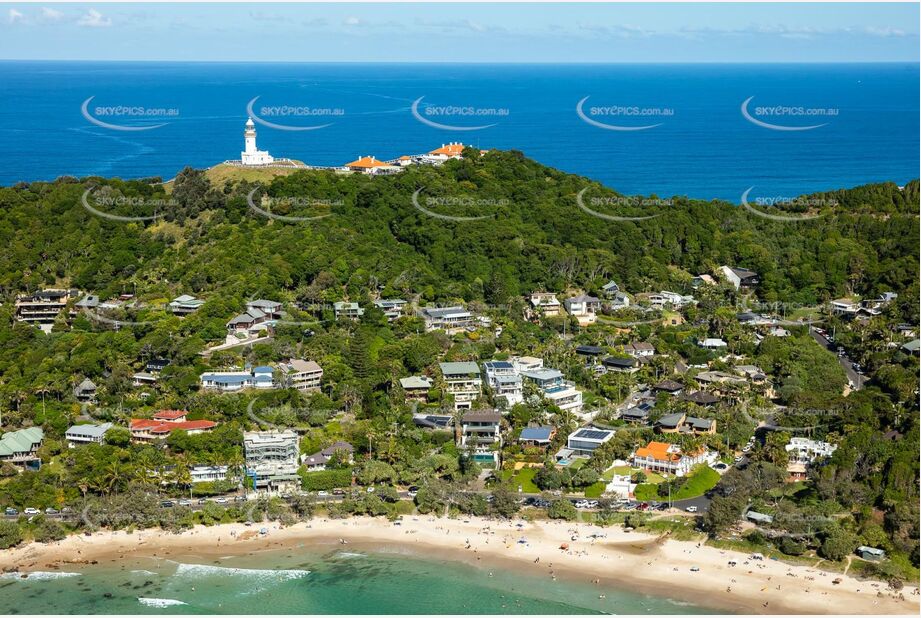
x: 208, y: 241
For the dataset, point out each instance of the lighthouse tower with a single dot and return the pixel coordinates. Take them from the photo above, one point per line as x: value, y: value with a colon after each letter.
x: 252, y: 155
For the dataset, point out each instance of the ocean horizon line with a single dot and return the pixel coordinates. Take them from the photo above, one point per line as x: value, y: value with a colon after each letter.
x: 461, y: 63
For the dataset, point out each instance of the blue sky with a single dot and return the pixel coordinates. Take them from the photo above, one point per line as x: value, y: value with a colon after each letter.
x: 712, y: 32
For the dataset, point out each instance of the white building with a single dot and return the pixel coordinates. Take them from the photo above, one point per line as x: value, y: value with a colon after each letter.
x: 86, y: 434
x: 204, y: 474
x: 674, y: 299
x: 302, y: 375
x: 272, y: 458
x: 583, y: 308
x: 252, y: 155
x: 230, y: 381
x: 711, y: 343
x: 561, y: 393
x: 351, y: 311
x: 505, y: 381
x: 527, y: 363
x: 449, y: 319
x: 482, y: 432
x: 545, y: 304
x: 392, y: 307
x: 583, y: 442
x: 806, y: 450
x: 462, y: 380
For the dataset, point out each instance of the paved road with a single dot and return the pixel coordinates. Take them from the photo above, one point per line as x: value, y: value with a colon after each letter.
x: 847, y: 364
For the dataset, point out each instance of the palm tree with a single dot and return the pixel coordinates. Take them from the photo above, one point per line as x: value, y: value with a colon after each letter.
x: 183, y: 476
x: 112, y: 476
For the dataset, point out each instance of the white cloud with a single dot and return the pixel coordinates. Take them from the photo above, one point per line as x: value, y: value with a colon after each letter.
x: 351, y: 20
x: 14, y: 16
x: 94, y: 19
x: 51, y: 14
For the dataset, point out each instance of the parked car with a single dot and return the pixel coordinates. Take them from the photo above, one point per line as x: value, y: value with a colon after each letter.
x: 51, y: 511
x: 10, y: 511
x: 221, y: 500
x: 167, y: 503
x: 322, y: 494
x: 202, y: 501
x: 32, y: 511
x: 691, y: 509
x: 239, y: 498
x: 185, y: 502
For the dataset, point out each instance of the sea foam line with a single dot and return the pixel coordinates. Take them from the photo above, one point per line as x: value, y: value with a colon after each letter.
x: 38, y: 575
x: 150, y: 602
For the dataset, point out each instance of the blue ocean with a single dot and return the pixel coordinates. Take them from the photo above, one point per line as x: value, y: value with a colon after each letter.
x: 705, y: 131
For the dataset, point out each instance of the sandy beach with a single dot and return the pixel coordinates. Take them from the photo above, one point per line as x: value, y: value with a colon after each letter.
x: 618, y: 559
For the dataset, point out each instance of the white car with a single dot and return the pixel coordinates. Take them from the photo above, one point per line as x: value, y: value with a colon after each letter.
x: 691, y: 509
x: 221, y: 500
x: 31, y: 511
x: 322, y: 494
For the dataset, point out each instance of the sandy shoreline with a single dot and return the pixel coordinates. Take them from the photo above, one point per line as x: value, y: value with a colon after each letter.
x: 620, y: 560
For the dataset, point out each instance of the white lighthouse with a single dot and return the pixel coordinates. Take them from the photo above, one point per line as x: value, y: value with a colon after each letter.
x: 251, y: 155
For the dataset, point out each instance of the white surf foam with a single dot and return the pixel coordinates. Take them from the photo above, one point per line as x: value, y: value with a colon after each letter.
x: 38, y: 575
x: 149, y: 602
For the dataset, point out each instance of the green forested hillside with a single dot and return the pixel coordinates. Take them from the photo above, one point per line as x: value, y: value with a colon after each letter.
x: 535, y: 235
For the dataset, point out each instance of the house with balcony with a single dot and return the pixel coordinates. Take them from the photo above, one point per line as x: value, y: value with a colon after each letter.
x: 303, y: 375
x: 343, y: 310
x: 393, y: 308
x: 679, y: 422
x: 481, y: 431
x: 416, y: 388
x: 739, y: 278
x: 231, y: 381
x: 803, y: 453
x: 272, y: 459
x: 260, y: 316
x: 165, y: 422
x: 185, y: 305
x: 670, y: 299
x: 845, y: 307
x: 583, y: 441
x: 89, y: 433
x: 640, y: 349
x: 545, y: 304
x: 504, y: 381
x: 537, y: 436
x: 667, y: 458
x: 559, y: 392
x: 318, y: 461
x: 451, y: 320
x: 616, y: 364
x: 85, y: 391
x: 583, y: 307
x: 42, y: 308
x: 463, y: 382
x: 20, y: 447
x: 208, y: 474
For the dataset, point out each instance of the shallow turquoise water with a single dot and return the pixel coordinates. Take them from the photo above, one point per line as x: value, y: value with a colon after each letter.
x: 329, y: 582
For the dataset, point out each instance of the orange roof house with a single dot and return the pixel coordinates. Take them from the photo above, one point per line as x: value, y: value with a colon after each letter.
x: 454, y: 149
x: 658, y: 451
x: 170, y: 415
x: 668, y: 458
x: 164, y: 422
x: 367, y: 162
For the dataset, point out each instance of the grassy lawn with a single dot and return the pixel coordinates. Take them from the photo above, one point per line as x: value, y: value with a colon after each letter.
x: 524, y: 477
x: 651, y: 477
x: 699, y: 482
x: 595, y: 490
